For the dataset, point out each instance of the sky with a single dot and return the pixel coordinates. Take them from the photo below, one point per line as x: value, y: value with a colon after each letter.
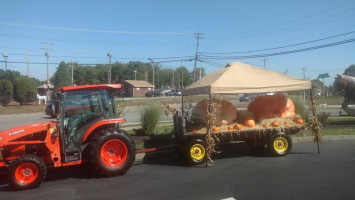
x: 84, y: 31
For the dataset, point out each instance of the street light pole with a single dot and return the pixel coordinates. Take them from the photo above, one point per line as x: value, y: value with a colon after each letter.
x: 5, y: 57
x: 109, y: 70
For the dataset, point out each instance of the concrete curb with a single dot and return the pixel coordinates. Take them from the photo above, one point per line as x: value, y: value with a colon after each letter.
x: 140, y: 157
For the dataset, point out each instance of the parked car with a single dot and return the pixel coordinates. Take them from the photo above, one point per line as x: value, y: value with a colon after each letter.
x: 163, y: 92
x: 155, y: 93
x: 173, y: 93
x: 247, y: 97
x: 52, y: 108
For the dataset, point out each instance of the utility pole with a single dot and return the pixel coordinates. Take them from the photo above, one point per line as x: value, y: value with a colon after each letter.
x: 47, y: 55
x: 28, y: 64
x: 109, y: 67
x: 172, y: 80
x: 152, y: 63
x: 5, y: 57
x: 304, y: 78
x: 196, y: 54
x: 182, y: 77
x: 265, y: 62
x: 72, y: 72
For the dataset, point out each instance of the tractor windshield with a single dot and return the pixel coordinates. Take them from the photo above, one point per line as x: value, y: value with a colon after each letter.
x: 80, y: 109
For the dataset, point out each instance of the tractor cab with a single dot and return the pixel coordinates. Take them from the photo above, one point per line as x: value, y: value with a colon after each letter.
x: 79, y: 109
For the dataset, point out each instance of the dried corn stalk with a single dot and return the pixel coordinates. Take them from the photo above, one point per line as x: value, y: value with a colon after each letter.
x: 316, y: 125
x: 212, y: 110
x: 169, y: 109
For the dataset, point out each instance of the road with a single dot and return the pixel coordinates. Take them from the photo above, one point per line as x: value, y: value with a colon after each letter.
x: 239, y: 173
x: 132, y: 115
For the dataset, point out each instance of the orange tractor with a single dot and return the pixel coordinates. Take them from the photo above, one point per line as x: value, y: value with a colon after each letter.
x: 86, y: 130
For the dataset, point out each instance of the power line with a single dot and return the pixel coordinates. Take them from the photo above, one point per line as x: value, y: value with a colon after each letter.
x: 284, y: 52
x: 281, y: 47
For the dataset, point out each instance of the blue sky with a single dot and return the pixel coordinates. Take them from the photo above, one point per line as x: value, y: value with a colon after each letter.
x: 86, y: 30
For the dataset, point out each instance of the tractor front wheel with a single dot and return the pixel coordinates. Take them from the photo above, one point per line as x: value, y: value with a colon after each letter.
x: 112, y: 152
x: 26, y: 172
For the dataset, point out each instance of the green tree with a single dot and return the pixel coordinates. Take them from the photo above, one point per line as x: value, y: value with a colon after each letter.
x: 350, y: 71
x: 62, y: 77
x: 25, y: 90
x: 6, y: 92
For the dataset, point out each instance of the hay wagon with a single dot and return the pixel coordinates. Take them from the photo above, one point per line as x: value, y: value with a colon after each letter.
x: 238, y: 78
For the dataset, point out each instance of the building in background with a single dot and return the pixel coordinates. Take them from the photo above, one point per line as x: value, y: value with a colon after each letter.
x: 136, y: 88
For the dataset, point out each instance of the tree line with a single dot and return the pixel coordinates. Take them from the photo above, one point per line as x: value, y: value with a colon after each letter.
x: 14, y: 86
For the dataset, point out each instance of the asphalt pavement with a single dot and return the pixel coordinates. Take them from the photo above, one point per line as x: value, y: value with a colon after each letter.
x: 238, y: 173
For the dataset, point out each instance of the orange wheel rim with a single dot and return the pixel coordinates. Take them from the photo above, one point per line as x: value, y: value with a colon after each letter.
x: 114, y: 153
x: 26, y: 173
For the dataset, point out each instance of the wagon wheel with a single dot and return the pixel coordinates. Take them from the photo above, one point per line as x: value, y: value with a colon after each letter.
x: 196, y: 152
x: 280, y: 144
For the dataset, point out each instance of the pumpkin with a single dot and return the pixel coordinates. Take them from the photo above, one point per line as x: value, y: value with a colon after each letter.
x: 249, y: 122
x: 215, y: 129
x: 266, y: 126
x: 230, y: 127
x: 287, y: 123
x: 299, y: 121
x: 194, y: 130
x: 275, y: 124
x: 238, y: 126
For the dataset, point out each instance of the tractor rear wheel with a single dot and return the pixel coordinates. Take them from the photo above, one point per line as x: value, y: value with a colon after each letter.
x: 26, y: 172
x: 112, y: 152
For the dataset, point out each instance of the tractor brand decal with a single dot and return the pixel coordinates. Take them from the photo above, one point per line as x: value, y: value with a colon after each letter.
x: 16, y: 132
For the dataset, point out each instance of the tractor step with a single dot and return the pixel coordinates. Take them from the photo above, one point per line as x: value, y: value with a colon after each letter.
x: 72, y: 157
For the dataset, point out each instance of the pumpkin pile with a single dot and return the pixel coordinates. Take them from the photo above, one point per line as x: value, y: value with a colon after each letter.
x: 270, y: 111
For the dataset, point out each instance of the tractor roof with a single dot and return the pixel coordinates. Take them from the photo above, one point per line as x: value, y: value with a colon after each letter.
x: 90, y: 87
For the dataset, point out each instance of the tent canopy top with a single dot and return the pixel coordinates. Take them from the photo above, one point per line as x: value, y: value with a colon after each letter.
x: 237, y: 78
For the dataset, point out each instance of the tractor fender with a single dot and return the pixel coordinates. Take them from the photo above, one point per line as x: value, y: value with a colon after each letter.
x: 100, y: 124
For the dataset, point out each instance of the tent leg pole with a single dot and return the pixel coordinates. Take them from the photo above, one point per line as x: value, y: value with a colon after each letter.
x: 315, y: 120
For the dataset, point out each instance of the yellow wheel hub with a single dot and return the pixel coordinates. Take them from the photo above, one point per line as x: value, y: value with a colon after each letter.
x: 280, y: 144
x: 197, y: 152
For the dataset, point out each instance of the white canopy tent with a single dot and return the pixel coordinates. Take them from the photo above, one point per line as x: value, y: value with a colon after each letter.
x: 239, y: 78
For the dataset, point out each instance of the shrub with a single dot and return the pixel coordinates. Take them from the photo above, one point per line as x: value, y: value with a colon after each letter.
x: 6, y: 92
x: 25, y: 90
x: 150, y: 116
x: 300, y: 107
x: 323, y: 118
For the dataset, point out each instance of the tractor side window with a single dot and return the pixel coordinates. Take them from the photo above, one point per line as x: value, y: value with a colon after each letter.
x: 107, y: 103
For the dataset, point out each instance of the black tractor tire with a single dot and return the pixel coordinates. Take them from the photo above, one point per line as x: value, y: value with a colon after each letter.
x: 26, y: 172
x: 195, y: 152
x: 111, y: 152
x: 279, y: 145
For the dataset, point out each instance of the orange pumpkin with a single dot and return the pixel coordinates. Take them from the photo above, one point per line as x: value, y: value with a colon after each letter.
x: 215, y: 129
x: 287, y: 123
x: 249, y: 122
x: 238, y: 126
x: 266, y: 126
x: 230, y: 127
x: 194, y: 131
x: 299, y: 121
x: 275, y: 124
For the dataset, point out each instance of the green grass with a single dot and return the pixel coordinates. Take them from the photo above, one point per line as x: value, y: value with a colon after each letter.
x: 17, y: 109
